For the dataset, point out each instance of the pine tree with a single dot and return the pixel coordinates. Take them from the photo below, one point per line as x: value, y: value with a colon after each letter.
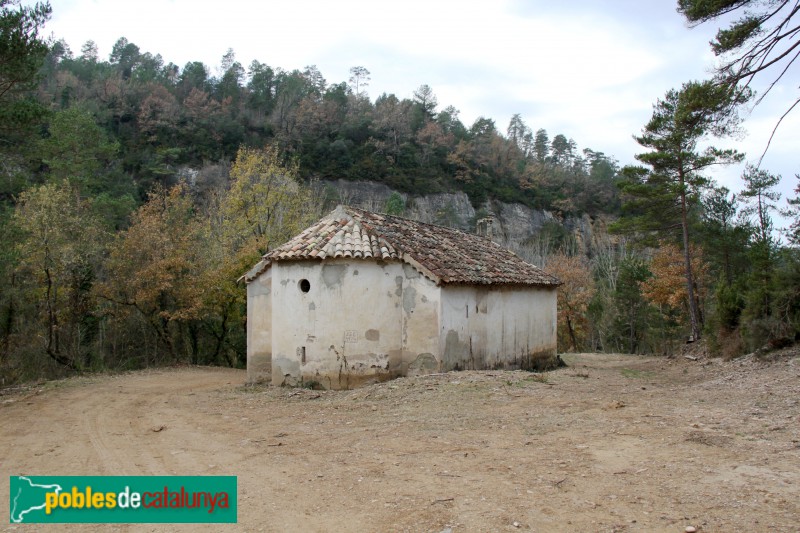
x: 662, y: 198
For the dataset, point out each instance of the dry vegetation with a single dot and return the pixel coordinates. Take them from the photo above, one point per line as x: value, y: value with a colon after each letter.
x: 612, y: 443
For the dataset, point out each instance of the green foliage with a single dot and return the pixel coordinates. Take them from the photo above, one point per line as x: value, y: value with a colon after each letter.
x: 760, y: 196
x: 755, y: 298
x: 395, y: 205
x: 761, y: 42
x: 736, y: 35
x: 725, y: 236
x: 649, y: 209
x: 793, y: 213
x: 621, y: 317
x: 635, y: 373
x: 114, y: 210
x: 632, y: 316
x: 771, y: 317
x: 703, y: 10
x: 730, y: 304
x: 22, y: 52
x: 77, y: 150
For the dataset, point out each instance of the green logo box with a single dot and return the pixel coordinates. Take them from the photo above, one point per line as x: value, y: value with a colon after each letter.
x: 122, y: 499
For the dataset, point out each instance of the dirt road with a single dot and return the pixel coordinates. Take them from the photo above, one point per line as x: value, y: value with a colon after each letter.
x: 612, y: 443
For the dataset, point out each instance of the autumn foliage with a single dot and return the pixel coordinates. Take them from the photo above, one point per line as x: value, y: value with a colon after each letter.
x: 573, y: 297
x: 666, y: 288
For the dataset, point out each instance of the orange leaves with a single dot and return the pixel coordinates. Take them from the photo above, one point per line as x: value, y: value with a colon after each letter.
x: 199, y: 105
x: 578, y: 285
x: 155, y: 265
x: 461, y: 159
x: 159, y: 110
x: 574, y: 295
x: 667, y: 286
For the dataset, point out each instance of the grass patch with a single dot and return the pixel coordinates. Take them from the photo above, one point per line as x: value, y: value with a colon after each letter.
x: 633, y: 373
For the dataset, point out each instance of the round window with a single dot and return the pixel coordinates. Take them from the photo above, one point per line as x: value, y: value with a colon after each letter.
x: 304, y: 285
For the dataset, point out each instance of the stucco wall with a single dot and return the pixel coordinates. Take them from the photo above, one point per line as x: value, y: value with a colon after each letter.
x: 420, y: 324
x: 360, y: 321
x: 497, y: 328
x: 259, y: 328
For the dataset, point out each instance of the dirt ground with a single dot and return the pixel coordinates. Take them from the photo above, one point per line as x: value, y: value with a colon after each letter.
x: 612, y: 443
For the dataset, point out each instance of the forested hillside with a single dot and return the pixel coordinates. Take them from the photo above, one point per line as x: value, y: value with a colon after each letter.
x: 134, y: 192
x: 144, y: 119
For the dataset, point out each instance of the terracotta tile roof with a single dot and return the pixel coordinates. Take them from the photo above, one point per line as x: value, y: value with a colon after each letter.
x: 442, y: 254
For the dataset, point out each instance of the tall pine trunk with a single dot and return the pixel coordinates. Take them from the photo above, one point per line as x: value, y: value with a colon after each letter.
x: 687, y: 258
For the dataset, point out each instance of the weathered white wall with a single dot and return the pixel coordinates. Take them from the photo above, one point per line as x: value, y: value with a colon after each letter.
x: 509, y: 327
x: 361, y: 321
x: 259, y: 328
x: 420, y: 324
x: 364, y: 321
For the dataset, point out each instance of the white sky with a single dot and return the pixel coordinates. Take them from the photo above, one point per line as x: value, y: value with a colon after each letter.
x: 590, y: 70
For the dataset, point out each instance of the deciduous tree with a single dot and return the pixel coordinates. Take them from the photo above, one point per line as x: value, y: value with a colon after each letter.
x: 667, y: 286
x: 266, y: 203
x: 574, y: 295
x: 158, y: 115
x: 60, y: 251
x: 154, y: 270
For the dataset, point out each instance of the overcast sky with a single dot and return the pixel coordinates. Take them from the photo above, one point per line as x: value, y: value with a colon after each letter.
x: 590, y: 70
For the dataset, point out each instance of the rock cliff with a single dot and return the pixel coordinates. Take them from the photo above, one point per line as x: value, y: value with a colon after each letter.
x: 534, y: 234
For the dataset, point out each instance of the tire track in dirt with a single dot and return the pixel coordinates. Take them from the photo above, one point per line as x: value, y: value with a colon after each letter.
x: 170, y: 436
x: 108, y: 459
x: 111, y: 444
x: 124, y: 424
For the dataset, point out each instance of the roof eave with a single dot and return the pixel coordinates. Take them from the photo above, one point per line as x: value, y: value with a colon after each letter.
x: 408, y: 259
x: 256, y: 271
x: 510, y: 284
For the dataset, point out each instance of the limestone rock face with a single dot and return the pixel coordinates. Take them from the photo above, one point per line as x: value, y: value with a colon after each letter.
x: 531, y: 233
